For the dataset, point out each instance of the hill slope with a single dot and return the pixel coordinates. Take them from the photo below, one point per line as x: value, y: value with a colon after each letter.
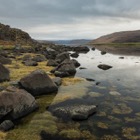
x: 13, y: 35
x: 119, y: 37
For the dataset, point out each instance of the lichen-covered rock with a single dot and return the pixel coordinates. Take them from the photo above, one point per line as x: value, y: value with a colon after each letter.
x: 38, y: 83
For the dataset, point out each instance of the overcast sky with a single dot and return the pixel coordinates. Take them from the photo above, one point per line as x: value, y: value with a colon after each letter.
x: 70, y: 19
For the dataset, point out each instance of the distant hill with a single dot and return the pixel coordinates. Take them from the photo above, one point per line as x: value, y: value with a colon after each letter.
x: 13, y: 35
x: 71, y: 42
x: 119, y: 37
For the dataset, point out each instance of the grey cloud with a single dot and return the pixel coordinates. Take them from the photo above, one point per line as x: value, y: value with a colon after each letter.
x: 31, y: 13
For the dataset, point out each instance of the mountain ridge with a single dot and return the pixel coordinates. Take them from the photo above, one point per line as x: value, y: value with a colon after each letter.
x: 119, y: 37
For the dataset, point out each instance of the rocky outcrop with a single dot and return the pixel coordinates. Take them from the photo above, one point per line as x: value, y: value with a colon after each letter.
x: 104, y: 66
x: 4, y: 73
x: 38, y: 83
x: 16, y: 103
x: 14, y: 35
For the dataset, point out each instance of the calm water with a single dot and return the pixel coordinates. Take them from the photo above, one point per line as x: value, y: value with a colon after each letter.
x: 117, y: 97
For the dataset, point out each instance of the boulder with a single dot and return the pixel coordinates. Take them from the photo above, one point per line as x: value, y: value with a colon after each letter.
x: 50, y: 53
x: 30, y: 63
x: 74, y: 55
x: 39, y: 58
x: 103, y: 52
x: 57, y: 81
x: 6, y: 125
x: 81, y: 49
x: 52, y: 62
x: 76, y: 63
x: 104, y: 67
x: 26, y: 57
x: 67, y: 68
x: 62, y: 56
x: 4, y: 73
x: 38, y: 83
x: 16, y: 103
x: 93, y: 49
x: 5, y: 60
x: 75, y: 112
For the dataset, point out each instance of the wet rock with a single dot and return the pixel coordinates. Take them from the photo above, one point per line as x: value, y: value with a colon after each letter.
x: 61, y: 74
x: 74, y: 55
x: 81, y: 49
x: 62, y: 56
x: 75, y: 112
x: 93, y: 49
x: 5, y: 60
x: 103, y: 52
x: 76, y: 63
x: 4, y: 73
x: 82, y: 68
x: 39, y: 58
x: 67, y: 68
x: 57, y: 81
x: 104, y: 66
x: 38, y: 83
x: 89, y: 79
x: 52, y: 62
x: 97, y: 83
x: 6, y: 125
x: 16, y: 103
x: 30, y: 63
x: 121, y: 57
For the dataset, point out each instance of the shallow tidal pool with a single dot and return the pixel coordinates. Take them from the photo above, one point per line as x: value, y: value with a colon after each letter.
x: 115, y: 91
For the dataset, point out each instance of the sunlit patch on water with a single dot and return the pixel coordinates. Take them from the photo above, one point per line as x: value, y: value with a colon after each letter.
x: 117, y: 96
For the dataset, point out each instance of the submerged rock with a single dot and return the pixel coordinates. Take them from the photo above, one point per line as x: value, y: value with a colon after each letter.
x: 103, y: 52
x: 38, y: 83
x: 75, y: 112
x: 4, y: 73
x: 81, y: 49
x: 104, y: 66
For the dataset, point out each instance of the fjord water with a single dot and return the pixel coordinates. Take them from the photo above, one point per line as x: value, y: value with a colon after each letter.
x: 115, y: 91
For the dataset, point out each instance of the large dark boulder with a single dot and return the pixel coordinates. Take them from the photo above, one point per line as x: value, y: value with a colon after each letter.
x: 65, y: 69
x: 16, y: 103
x: 50, y: 53
x: 4, y: 73
x: 5, y: 60
x: 74, y: 55
x: 38, y: 83
x: 62, y: 56
x: 81, y: 49
x: 104, y: 67
x: 76, y: 63
x: 6, y: 125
